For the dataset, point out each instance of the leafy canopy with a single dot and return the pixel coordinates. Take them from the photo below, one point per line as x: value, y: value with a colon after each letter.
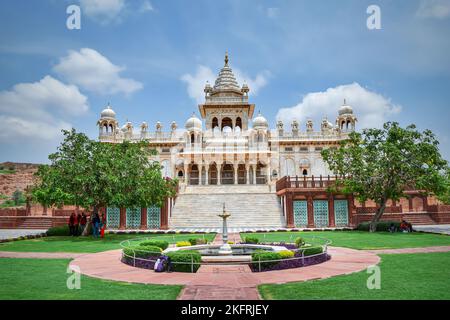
x: 92, y: 174
x: 380, y: 164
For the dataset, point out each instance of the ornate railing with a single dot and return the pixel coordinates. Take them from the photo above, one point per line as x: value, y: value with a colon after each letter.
x: 305, y: 182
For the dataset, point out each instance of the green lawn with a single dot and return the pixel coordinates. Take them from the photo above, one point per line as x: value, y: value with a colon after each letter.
x: 41, y: 279
x: 360, y: 239
x: 403, y: 276
x: 88, y: 244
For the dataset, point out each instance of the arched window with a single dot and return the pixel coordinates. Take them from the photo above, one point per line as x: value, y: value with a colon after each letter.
x: 180, y: 174
x: 305, y: 172
x: 239, y: 122
x: 215, y: 123
x: 192, y: 138
x: 226, y: 122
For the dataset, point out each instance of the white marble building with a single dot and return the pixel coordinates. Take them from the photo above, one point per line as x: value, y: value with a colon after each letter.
x: 227, y: 144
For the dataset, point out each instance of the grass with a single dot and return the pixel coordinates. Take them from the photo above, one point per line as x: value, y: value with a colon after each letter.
x: 420, y: 276
x: 43, y: 279
x: 88, y: 244
x: 360, y: 239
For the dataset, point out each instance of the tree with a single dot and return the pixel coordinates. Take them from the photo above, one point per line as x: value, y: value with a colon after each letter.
x: 92, y: 174
x: 380, y: 164
x: 18, y: 198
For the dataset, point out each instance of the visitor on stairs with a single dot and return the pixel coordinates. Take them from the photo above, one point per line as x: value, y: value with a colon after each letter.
x: 95, y: 225
x: 72, y: 224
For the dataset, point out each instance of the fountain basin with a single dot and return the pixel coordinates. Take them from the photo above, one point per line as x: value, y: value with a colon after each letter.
x: 216, y: 253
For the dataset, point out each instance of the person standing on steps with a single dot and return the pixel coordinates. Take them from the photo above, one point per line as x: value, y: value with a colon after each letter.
x: 83, y: 221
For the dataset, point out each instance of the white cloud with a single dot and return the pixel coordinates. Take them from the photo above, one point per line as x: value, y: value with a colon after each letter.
x: 146, y: 6
x: 102, y: 10
x: 439, y: 9
x: 93, y: 72
x: 371, y: 108
x: 196, y: 83
x: 38, y: 110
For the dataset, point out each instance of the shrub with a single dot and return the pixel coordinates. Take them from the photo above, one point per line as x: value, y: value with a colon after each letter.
x: 261, y: 255
x: 58, y: 231
x: 156, y: 243
x: 381, y: 225
x: 286, y: 254
x: 183, y: 244
x: 142, y: 251
x: 309, y: 251
x: 251, y: 240
x: 230, y: 242
x: 193, y: 241
x: 299, y: 242
x: 181, y: 261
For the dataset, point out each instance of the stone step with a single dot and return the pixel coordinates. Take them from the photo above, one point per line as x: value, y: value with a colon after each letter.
x: 259, y: 209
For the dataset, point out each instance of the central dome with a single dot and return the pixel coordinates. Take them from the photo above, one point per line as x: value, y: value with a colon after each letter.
x: 108, y: 113
x: 193, y: 123
x: 226, y: 79
x: 260, y: 122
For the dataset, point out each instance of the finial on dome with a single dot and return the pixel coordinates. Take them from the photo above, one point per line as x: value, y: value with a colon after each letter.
x: 226, y: 58
x: 345, y: 101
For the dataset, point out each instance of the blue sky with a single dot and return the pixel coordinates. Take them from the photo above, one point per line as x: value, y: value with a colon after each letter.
x: 150, y: 60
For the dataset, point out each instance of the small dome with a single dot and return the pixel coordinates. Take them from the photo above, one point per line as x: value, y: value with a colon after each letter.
x: 193, y: 123
x: 345, y: 109
x: 108, y: 113
x: 260, y: 122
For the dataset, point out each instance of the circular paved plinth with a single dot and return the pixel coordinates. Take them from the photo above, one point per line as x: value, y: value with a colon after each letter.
x: 107, y: 265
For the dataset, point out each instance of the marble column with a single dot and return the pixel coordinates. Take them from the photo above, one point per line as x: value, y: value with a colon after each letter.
x: 200, y: 175
x: 219, y: 174
x: 254, y: 174
x: 206, y: 175
x: 235, y: 167
x: 247, y: 172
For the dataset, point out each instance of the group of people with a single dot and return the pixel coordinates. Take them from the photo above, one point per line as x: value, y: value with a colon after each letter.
x: 404, y: 227
x: 78, y: 222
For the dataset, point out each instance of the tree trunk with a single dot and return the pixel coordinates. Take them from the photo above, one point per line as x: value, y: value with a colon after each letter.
x: 377, y: 216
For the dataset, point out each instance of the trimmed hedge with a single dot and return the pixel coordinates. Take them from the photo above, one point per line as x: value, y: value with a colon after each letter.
x: 260, y: 256
x: 155, y: 243
x: 183, y: 244
x: 251, y: 240
x: 381, y: 225
x: 181, y: 261
x: 142, y: 251
x: 286, y: 254
x: 309, y: 251
x: 197, y: 241
x: 58, y: 231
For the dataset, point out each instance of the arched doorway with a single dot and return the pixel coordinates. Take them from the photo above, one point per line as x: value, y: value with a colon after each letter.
x: 242, y: 174
x: 227, y: 174
x: 226, y: 122
x: 214, y: 123
x: 238, y: 123
x: 194, y: 176
x: 261, y: 177
x: 212, y: 174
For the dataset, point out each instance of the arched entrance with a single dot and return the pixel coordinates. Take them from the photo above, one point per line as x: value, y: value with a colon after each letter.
x: 261, y: 177
x: 194, y: 175
x: 242, y: 174
x: 227, y: 174
x: 212, y: 174
x: 226, y: 122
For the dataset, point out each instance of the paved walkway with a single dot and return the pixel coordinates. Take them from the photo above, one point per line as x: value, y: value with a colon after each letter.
x: 41, y: 255
x: 229, y: 282
x: 412, y: 250
x: 16, y: 233
x: 434, y: 228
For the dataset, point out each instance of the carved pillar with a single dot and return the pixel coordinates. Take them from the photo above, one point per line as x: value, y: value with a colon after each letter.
x: 206, y: 175
x: 268, y: 174
x: 123, y: 219
x: 164, y: 217
x: 247, y: 172
x: 200, y: 175
x: 219, y: 174
x: 331, y: 217
x: 410, y: 203
x: 143, y: 218
x: 289, y: 210
x: 310, y: 204
x: 254, y: 174
x: 235, y: 167
x: 186, y: 175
